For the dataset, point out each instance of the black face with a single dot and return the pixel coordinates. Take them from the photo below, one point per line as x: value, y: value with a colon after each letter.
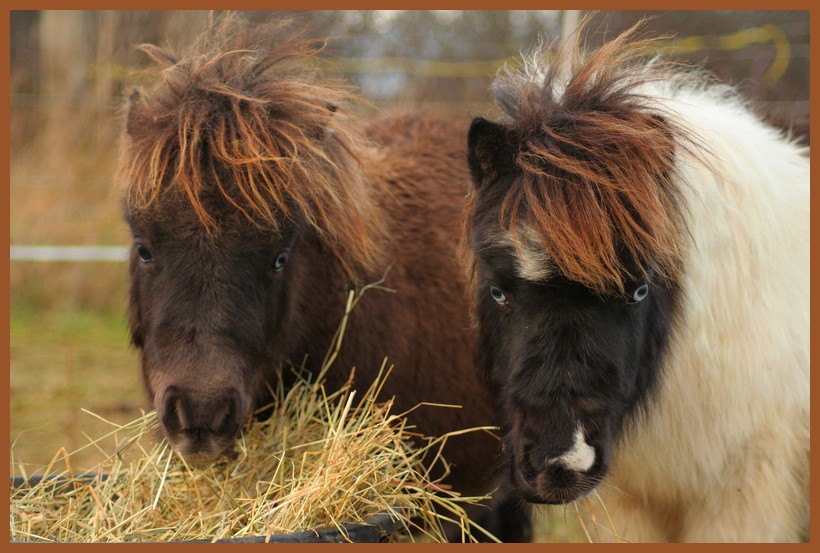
x: 567, y: 367
x: 210, y: 314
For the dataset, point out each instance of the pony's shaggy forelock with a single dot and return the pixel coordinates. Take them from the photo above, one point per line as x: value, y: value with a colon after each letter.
x: 597, y: 159
x: 244, y: 113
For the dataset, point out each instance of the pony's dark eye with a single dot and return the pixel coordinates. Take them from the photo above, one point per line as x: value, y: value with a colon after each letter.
x: 498, y: 295
x: 144, y: 253
x: 280, y: 261
x: 639, y: 294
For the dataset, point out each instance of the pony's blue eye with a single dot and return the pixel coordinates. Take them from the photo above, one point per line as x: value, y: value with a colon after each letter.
x: 498, y: 295
x: 640, y: 293
x: 144, y: 253
x: 281, y: 259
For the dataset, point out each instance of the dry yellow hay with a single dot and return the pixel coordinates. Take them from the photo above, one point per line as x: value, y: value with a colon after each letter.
x: 322, y: 460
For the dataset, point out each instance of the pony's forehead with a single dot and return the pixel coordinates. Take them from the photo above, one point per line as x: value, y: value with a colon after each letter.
x: 173, y: 213
x: 525, y: 248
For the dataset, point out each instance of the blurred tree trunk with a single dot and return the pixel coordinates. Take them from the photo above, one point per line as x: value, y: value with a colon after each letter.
x: 184, y: 26
x: 569, y: 22
x: 66, y: 54
x: 108, y: 23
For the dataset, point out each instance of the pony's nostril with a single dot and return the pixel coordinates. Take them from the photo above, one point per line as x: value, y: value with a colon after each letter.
x: 218, y: 416
x: 561, y: 477
x: 532, y: 458
x: 229, y: 420
x: 174, y: 416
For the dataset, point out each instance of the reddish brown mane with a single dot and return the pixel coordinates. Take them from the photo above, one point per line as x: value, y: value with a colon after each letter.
x: 597, y: 165
x: 245, y: 114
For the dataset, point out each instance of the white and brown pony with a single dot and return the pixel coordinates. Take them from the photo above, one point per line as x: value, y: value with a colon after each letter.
x: 640, y: 244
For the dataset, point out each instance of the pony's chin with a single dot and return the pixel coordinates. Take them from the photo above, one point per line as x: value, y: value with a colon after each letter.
x: 553, y: 497
x: 540, y: 489
x: 536, y: 500
x: 200, y: 453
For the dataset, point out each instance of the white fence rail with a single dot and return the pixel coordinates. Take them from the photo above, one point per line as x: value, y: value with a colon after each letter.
x: 69, y: 253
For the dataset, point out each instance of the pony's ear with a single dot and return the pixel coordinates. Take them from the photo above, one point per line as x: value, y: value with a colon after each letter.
x: 489, y: 150
x: 161, y: 56
x: 326, y: 129
x: 130, y: 115
x: 661, y: 123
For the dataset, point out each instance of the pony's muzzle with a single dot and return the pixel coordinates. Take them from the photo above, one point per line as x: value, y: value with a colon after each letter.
x: 549, y: 463
x: 201, y: 427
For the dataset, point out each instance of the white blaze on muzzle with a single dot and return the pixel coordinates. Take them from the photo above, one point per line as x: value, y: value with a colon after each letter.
x: 579, y: 458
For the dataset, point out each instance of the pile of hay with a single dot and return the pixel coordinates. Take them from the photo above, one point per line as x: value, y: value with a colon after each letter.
x: 321, y: 460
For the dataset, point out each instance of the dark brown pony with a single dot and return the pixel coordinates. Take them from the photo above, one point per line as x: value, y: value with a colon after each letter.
x: 256, y: 202
x: 641, y: 264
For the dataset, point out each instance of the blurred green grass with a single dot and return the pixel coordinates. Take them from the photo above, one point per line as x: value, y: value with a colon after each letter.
x: 63, y: 361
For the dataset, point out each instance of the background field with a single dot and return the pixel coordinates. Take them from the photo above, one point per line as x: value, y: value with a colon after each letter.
x: 70, y: 71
